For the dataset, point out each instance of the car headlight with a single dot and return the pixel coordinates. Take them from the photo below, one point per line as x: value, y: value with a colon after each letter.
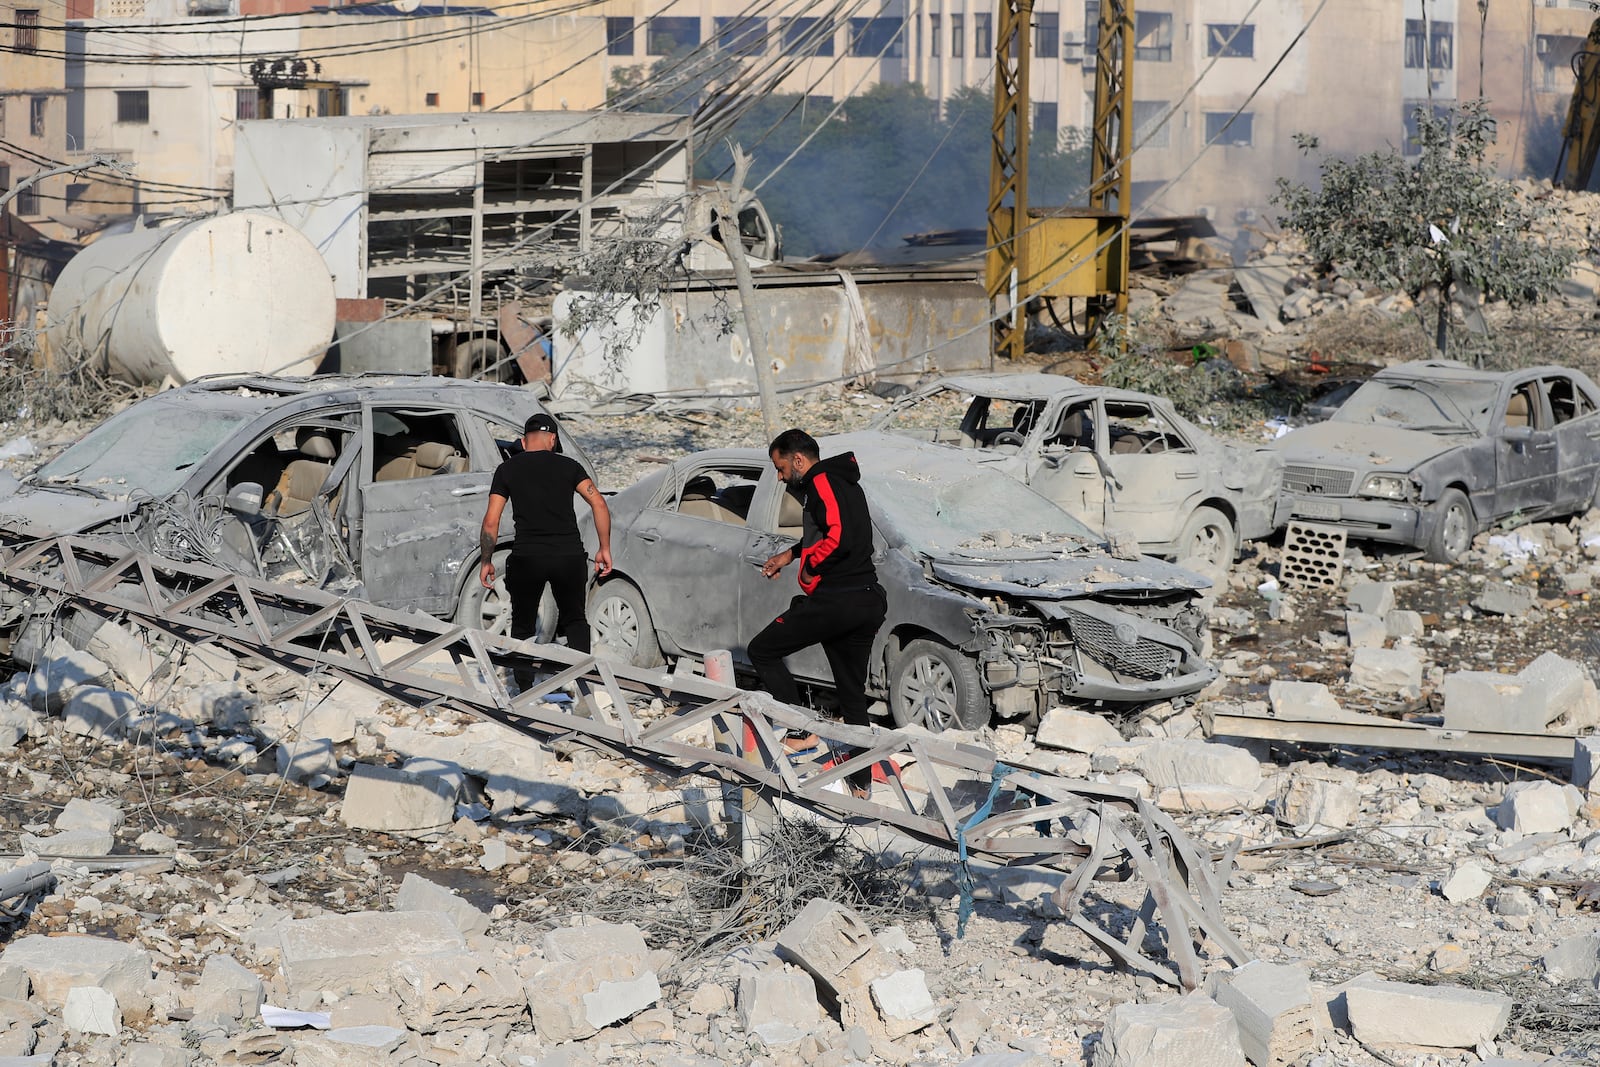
x: 1389, y: 486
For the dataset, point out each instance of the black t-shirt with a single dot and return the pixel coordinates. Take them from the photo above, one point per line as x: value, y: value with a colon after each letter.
x: 540, y: 486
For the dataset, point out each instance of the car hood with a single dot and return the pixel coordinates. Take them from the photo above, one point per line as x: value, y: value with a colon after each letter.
x: 36, y: 511
x: 1347, y: 444
x: 1065, y: 579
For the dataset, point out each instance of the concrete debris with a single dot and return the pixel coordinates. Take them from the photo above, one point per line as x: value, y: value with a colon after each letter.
x: 91, y: 1010
x: 1185, y: 763
x: 1537, y: 807
x: 418, y: 894
x: 228, y: 991
x: 95, y: 711
x: 1404, y: 625
x: 1576, y: 959
x: 459, y: 991
x: 1586, y: 764
x: 573, y: 999
x: 351, y: 953
x: 1500, y: 598
x: 1271, y: 1003
x: 779, y: 1006
x: 1301, y: 701
x: 1371, y: 598
x: 1386, y: 670
x: 378, y: 798
x: 1317, y: 799
x: 80, y: 814
x: 55, y: 965
x: 1194, y: 1031
x: 903, y: 1002
x: 1441, y: 1016
x: 835, y: 946
x: 1466, y: 882
x: 51, y: 683
x: 1366, y: 631
x: 1075, y: 731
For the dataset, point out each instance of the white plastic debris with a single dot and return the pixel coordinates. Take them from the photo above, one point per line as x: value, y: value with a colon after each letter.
x: 1269, y: 589
x: 1514, y: 546
x: 18, y: 448
x: 285, y: 1019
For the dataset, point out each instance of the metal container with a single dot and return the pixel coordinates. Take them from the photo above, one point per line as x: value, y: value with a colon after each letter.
x: 239, y: 293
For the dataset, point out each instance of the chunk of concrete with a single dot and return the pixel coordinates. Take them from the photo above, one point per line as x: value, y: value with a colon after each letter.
x: 833, y: 943
x: 779, y: 1006
x: 128, y: 653
x: 1439, y: 1016
x: 17, y: 720
x: 903, y: 1002
x: 615, y: 1000
x: 1194, y: 1031
x: 457, y: 992
x: 1371, y: 598
x: 1204, y: 797
x: 1500, y: 598
x: 1537, y: 807
x: 596, y: 939
x: 1075, y: 731
x: 1466, y: 881
x: 56, y: 964
x: 228, y: 990
x: 377, y: 798
x: 1302, y: 701
x: 91, y: 1010
x: 1271, y: 1003
x: 1365, y: 631
x: 51, y: 682
x: 307, y: 757
x: 95, y: 711
x: 419, y: 894
x: 352, y: 953
x: 1576, y: 959
x: 1484, y: 700
x: 558, y: 994
x: 80, y: 814
x: 1187, y: 762
x: 1402, y: 625
x: 1385, y: 670
x: 1325, y: 797
x: 71, y: 843
x: 1586, y: 764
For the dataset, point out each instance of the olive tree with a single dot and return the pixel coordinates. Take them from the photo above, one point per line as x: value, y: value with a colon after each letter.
x: 1439, y: 226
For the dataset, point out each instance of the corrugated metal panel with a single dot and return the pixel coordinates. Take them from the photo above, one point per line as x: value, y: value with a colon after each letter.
x: 399, y: 172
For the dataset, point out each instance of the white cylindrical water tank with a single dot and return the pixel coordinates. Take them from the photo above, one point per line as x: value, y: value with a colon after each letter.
x: 232, y: 294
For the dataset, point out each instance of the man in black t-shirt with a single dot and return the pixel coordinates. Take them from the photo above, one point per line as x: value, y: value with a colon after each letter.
x: 548, y: 549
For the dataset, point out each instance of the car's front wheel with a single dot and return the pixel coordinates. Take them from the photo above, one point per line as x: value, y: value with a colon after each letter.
x: 620, y: 624
x: 936, y: 686
x: 489, y: 609
x: 1209, y: 542
x: 1452, y: 527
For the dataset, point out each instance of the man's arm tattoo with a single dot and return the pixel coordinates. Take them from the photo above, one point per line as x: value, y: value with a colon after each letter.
x: 486, y: 541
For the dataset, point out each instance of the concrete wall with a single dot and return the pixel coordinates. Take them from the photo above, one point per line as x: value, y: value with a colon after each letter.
x: 686, y: 346
x: 24, y: 79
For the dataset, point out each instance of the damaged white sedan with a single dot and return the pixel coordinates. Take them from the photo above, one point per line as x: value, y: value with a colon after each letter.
x: 1000, y: 603
x: 1115, y: 459
x: 371, y: 485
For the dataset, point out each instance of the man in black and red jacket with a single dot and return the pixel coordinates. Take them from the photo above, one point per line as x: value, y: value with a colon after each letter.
x: 843, y: 605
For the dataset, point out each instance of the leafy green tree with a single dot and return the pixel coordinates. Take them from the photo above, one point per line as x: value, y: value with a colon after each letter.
x: 1440, y: 226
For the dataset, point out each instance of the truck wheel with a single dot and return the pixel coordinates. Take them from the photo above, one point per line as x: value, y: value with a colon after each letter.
x: 936, y: 686
x: 489, y: 610
x: 1209, y: 539
x: 620, y: 624
x: 1452, y: 529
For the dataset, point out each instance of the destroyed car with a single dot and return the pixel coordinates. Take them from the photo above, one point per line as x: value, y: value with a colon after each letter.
x: 371, y: 485
x: 1114, y: 459
x: 999, y: 601
x: 1427, y: 454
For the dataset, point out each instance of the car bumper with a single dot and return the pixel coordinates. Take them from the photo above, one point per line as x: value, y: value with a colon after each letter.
x: 1390, y: 521
x: 1197, y: 675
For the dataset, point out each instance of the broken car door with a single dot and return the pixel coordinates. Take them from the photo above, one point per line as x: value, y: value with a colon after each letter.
x: 1576, y: 419
x: 694, y: 536
x: 1156, y: 472
x: 1525, y: 454
x: 1069, y: 466
x: 422, y: 506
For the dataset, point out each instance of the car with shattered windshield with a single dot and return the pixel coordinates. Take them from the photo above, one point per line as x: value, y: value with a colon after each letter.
x: 1112, y: 458
x: 1427, y: 454
x: 371, y: 485
x: 1000, y: 603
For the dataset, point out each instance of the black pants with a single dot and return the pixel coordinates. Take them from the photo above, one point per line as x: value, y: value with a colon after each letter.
x: 844, y: 624
x: 567, y: 575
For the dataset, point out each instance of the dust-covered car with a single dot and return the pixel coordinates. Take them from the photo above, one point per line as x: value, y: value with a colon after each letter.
x: 999, y: 601
x: 1426, y: 454
x: 1115, y: 459
x: 373, y: 485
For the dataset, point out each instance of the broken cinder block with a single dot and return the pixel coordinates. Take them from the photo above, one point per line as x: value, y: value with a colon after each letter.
x: 833, y: 943
x: 1271, y: 1003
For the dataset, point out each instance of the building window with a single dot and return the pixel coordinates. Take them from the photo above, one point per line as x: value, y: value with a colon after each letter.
x: 36, y: 107
x: 133, y: 107
x: 876, y: 37
x: 619, y: 36
x: 5, y: 177
x: 958, y: 36
x: 77, y: 192
x: 246, y: 104
x: 1226, y: 128
x: 26, y: 35
x: 982, y: 35
x: 1442, y: 45
x: 744, y: 35
x: 1411, y: 145
x: 431, y: 99
x: 27, y: 201
x: 1230, y: 40
x: 1416, y: 44
x: 477, y: 99
x: 933, y: 35
x: 808, y: 37
x: 1152, y: 36
x: 1152, y: 127
x: 669, y: 36
x: 1045, y: 123
x: 1047, y: 35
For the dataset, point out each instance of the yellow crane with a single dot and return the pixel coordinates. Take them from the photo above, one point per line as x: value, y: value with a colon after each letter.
x: 1045, y: 253
x: 1580, y: 137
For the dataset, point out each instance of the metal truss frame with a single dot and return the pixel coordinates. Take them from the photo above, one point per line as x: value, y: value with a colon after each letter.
x: 1089, y: 830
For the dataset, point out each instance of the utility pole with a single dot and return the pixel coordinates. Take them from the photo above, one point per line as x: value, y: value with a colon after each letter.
x: 1008, y: 176
x: 730, y: 200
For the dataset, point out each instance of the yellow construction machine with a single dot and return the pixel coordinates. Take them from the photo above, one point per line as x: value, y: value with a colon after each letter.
x: 1580, y: 137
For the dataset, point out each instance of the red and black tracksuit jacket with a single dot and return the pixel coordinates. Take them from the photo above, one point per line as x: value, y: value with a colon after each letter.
x: 836, y: 550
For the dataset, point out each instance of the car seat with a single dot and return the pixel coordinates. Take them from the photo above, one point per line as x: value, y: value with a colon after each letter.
x: 302, y: 479
x: 1076, y: 431
x: 791, y: 516
x: 697, y: 501
x: 1518, y: 410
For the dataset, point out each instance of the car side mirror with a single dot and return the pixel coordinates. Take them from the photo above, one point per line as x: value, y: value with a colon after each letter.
x: 244, y: 500
x: 1518, y: 434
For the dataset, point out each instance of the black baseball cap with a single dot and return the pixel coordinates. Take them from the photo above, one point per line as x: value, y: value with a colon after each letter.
x: 538, y: 423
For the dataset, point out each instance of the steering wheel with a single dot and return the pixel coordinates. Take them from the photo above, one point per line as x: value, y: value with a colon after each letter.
x: 1008, y: 437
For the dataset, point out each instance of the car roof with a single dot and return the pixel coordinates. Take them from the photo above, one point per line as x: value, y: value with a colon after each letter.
x: 879, y: 454
x: 283, y: 390
x: 1455, y: 370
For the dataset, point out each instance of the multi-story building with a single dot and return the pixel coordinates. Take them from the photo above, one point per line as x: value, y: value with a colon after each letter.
x: 33, y: 105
